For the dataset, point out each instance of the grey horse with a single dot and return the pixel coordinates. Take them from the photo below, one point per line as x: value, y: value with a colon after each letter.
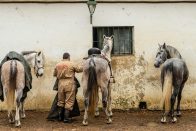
x: 96, y: 74
x: 174, y: 74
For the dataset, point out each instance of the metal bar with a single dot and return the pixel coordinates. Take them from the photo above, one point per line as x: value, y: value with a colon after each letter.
x: 113, y: 40
x: 129, y: 41
x: 118, y: 41
x: 124, y: 40
x: 91, y: 18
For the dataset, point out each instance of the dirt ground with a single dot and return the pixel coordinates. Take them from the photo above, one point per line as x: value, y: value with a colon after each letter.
x: 122, y: 121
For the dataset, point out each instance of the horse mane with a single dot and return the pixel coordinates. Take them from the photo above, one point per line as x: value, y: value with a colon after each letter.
x: 105, y: 49
x: 173, y: 52
x: 28, y: 52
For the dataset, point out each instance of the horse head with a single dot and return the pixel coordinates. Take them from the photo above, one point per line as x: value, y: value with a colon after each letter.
x: 107, y: 46
x: 161, y: 55
x: 39, y: 64
x: 36, y: 60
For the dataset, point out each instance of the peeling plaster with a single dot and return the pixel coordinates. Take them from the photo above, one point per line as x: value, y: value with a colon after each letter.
x: 129, y: 73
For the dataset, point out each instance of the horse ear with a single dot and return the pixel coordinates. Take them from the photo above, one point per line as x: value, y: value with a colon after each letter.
x: 104, y: 36
x: 164, y: 45
x: 159, y: 45
x: 39, y: 53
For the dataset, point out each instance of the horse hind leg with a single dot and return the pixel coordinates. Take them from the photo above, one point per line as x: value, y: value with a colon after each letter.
x: 164, y: 116
x: 86, y: 104
x: 20, y: 84
x: 17, y: 115
x: 10, y: 115
x: 9, y: 94
x: 178, y: 112
x: 22, y: 110
x: 173, y: 99
x: 86, y: 100
x: 105, y: 104
x: 97, y: 109
x: 109, y: 101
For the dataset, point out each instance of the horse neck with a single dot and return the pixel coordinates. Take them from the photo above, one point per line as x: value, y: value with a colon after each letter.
x: 30, y: 58
x: 107, y: 51
x: 173, y: 52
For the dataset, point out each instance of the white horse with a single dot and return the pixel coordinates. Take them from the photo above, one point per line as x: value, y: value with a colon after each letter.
x: 36, y: 60
x: 13, y: 81
x: 96, y: 74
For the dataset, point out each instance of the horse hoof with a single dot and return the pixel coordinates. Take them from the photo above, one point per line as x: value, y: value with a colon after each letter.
x: 174, y: 120
x: 23, y: 116
x: 163, y: 120
x: 111, y: 114
x: 85, y: 123
x: 112, y: 80
x: 178, y: 114
x: 17, y: 124
x: 11, y: 121
x: 109, y: 121
x: 96, y: 114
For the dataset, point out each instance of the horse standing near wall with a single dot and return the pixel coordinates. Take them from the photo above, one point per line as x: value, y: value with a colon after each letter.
x: 96, y: 74
x: 174, y: 74
x: 14, y: 80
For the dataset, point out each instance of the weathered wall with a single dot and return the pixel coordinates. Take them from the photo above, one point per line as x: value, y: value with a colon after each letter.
x: 55, y: 28
x: 137, y: 79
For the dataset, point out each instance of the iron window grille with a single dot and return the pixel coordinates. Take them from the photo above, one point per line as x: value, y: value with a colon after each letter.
x: 123, y: 38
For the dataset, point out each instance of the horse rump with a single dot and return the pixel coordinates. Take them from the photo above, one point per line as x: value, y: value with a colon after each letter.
x: 9, y: 73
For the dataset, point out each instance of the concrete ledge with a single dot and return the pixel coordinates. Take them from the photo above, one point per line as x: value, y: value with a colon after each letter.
x: 99, y: 1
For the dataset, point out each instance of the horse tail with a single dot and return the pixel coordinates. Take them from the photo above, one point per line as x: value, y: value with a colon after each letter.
x: 13, y: 70
x: 92, y: 86
x: 12, y: 82
x: 167, y: 90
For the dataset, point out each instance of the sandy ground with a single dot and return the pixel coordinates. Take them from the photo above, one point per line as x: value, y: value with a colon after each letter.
x: 122, y: 121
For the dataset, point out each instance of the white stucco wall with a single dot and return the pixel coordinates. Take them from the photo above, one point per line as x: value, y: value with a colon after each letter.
x: 55, y: 28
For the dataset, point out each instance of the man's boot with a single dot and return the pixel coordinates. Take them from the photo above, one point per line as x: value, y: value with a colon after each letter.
x: 66, y: 116
x: 60, y: 111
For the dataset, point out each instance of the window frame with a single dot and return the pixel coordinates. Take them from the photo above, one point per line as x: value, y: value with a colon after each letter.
x: 132, y: 52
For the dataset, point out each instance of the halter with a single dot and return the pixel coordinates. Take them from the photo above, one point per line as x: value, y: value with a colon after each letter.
x: 35, y: 66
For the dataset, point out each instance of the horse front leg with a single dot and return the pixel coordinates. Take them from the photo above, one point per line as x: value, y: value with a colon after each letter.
x: 86, y: 104
x: 105, y: 104
x: 109, y: 101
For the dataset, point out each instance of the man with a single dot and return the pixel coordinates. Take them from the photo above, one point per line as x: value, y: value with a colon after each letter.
x: 53, y: 114
x: 65, y: 72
